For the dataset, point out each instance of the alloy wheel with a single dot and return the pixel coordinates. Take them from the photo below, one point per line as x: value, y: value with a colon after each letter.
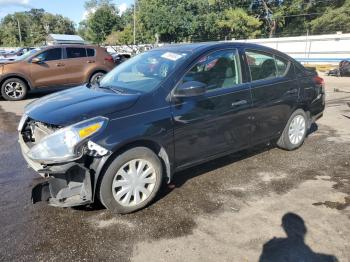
x: 96, y: 78
x: 14, y: 89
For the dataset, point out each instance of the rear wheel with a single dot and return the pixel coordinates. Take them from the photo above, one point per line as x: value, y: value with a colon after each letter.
x: 294, y: 133
x: 96, y: 77
x: 131, y: 181
x: 14, y: 89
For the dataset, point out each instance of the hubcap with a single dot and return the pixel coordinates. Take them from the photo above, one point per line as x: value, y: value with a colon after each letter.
x: 297, y: 129
x: 134, y: 182
x: 14, y: 89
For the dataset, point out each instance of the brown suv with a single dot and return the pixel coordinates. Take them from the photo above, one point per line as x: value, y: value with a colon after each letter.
x: 53, y: 66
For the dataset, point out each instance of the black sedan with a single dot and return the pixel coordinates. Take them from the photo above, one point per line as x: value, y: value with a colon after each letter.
x: 163, y: 111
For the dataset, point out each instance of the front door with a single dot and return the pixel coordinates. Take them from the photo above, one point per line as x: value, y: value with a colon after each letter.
x: 218, y: 121
x: 274, y: 92
x: 50, y: 71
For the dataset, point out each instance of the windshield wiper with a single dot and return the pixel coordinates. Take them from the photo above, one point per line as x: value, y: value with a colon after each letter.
x: 113, y: 88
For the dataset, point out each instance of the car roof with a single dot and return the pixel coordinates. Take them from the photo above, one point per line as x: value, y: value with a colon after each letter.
x: 204, y: 46
x: 70, y: 45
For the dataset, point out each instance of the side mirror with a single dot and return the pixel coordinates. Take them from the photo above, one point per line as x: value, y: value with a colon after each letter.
x: 37, y: 60
x: 190, y: 88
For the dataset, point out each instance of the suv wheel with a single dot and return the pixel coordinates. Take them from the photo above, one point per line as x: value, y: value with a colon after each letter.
x: 95, y: 78
x: 295, y: 131
x: 14, y: 89
x: 131, y: 181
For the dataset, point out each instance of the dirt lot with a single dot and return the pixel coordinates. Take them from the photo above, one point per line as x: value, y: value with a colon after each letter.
x: 230, y: 209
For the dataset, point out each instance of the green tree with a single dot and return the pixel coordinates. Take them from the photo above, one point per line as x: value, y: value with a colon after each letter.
x: 94, y: 4
x: 236, y: 23
x: 102, y: 22
x: 171, y: 20
x: 124, y: 37
x: 33, y: 25
x: 333, y: 20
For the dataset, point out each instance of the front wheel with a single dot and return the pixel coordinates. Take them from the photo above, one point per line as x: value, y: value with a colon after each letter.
x: 14, y: 89
x: 131, y: 181
x: 294, y: 133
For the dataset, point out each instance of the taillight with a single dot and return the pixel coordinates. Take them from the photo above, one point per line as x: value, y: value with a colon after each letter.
x: 320, y: 81
x: 109, y: 58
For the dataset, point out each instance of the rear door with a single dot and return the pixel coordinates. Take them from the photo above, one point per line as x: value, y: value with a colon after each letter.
x: 77, y: 64
x: 218, y: 121
x: 275, y: 93
x: 51, y: 71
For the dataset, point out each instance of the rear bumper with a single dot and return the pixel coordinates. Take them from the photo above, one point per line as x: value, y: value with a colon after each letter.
x: 314, y: 118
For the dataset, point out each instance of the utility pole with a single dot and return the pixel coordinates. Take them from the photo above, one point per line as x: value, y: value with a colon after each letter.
x: 135, y: 22
x: 19, y: 32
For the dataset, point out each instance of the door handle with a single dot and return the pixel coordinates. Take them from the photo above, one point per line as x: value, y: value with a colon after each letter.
x: 292, y: 91
x: 239, y: 103
x: 90, y: 61
x: 59, y: 64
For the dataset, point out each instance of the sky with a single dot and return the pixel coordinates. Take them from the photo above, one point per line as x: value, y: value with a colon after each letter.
x: 73, y: 9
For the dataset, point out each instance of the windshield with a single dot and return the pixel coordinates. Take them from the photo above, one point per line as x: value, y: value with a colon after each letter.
x: 27, y: 54
x: 144, y: 72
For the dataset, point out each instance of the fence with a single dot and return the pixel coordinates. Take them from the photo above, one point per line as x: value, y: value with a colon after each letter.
x: 318, y: 49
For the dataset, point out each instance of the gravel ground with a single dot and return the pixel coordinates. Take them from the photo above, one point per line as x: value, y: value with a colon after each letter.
x: 261, y: 203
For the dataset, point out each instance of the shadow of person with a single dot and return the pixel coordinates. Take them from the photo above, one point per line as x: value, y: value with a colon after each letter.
x: 292, y: 248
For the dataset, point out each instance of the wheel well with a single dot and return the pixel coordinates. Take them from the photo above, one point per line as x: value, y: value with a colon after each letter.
x: 155, y: 147
x: 305, y: 108
x: 97, y: 71
x: 18, y: 77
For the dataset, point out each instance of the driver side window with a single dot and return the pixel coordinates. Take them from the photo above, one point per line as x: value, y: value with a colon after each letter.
x: 220, y: 69
x: 51, y: 54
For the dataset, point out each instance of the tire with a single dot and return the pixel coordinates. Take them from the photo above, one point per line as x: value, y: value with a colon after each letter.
x: 14, y: 89
x: 96, y: 77
x: 291, y: 140
x: 113, y: 190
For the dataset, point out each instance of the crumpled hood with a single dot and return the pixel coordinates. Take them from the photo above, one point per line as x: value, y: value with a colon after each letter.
x: 76, y: 104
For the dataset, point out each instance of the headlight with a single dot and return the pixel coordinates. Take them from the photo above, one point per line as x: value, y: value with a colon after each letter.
x: 65, y: 144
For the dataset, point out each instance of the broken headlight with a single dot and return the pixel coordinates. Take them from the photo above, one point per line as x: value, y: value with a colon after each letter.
x: 65, y: 144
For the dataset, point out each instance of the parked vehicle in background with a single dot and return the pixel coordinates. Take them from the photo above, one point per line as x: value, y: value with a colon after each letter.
x: 18, y: 52
x: 120, y: 57
x: 342, y: 70
x: 52, y: 66
x: 163, y: 111
x: 14, y: 54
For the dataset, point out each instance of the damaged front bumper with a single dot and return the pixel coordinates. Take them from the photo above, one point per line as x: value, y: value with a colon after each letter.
x: 65, y: 185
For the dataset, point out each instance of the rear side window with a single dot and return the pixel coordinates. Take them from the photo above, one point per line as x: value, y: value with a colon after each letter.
x: 75, y: 52
x: 90, y: 52
x: 265, y: 66
x: 51, y: 54
x: 282, y: 66
x: 261, y: 65
x: 220, y: 69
